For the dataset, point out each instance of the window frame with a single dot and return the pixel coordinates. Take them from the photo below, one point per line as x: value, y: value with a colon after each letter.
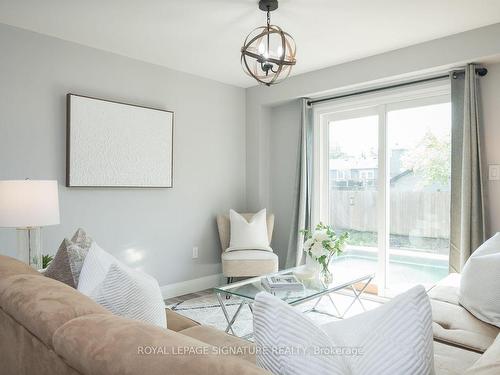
x: 379, y: 104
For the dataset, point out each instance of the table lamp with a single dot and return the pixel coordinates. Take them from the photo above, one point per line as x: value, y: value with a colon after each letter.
x: 28, y: 205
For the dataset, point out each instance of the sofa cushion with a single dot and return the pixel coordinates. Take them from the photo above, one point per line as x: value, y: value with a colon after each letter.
x: 111, y: 345
x: 450, y: 360
x: 22, y: 353
x: 489, y: 362
x: 42, y: 304
x: 455, y: 325
x: 10, y: 266
x: 446, y: 290
x: 239, y: 347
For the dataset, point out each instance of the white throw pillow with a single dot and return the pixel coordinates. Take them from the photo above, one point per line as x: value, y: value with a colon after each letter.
x: 248, y: 235
x: 288, y: 341
x: 95, y: 267
x: 479, y: 289
x: 131, y: 294
x: 395, y: 338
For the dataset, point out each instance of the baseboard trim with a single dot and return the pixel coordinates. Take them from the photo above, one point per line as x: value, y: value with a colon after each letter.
x: 191, y: 286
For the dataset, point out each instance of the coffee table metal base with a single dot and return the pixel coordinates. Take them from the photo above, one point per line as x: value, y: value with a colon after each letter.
x: 356, y: 298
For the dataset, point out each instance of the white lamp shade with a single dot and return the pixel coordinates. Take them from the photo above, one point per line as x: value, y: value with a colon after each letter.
x: 28, y: 203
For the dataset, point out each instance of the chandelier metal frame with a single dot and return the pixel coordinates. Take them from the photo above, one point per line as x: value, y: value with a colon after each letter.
x: 261, y: 65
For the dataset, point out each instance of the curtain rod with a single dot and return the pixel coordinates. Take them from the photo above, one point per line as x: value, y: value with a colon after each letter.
x: 479, y: 71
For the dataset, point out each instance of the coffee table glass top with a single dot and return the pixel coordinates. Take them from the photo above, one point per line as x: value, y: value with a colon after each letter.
x: 249, y: 288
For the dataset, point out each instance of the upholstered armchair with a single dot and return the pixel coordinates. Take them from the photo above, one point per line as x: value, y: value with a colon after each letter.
x: 245, y: 263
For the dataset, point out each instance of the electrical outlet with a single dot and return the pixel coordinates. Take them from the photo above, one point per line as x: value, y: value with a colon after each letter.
x: 195, y: 252
x: 494, y: 172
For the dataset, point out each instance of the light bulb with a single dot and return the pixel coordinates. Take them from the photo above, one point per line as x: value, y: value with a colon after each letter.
x: 280, y: 51
x: 262, y: 48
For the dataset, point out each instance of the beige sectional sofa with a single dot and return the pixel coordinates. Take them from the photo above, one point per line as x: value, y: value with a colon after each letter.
x: 460, y: 338
x: 47, y: 327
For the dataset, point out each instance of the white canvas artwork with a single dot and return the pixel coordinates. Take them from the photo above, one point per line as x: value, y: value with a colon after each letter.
x: 118, y: 145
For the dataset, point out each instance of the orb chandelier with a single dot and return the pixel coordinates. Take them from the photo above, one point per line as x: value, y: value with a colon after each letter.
x: 268, y: 53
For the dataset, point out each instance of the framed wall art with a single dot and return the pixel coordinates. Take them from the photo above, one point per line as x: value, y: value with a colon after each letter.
x: 112, y: 144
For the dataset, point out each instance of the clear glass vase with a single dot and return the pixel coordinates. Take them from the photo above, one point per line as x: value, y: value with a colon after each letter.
x: 326, y: 274
x: 313, y: 266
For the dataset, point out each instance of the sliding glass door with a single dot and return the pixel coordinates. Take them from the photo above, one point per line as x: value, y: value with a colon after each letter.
x: 382, y: 173
x: 352, y: 184
x: 419, y: 139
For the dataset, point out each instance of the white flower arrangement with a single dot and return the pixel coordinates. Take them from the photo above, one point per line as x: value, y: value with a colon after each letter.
x: 322, y: 243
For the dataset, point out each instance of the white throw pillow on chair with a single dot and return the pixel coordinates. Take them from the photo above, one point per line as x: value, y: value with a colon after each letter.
x: 248, y: 235
x: 395, y: 338
x: 479, y: 289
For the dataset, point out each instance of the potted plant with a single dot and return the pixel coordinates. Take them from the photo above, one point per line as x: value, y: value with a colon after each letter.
x: 321, y: 245
x: 46, y: 259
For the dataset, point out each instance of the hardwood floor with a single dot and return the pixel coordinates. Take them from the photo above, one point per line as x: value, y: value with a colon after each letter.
x: 185, y: 297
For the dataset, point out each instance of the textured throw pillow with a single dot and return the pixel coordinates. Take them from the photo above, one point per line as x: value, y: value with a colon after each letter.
x: 479, y: 289
x: 68, y: 261
x: 395, y: 338
x: 248, y: 235
x: 95, y: 267
x: 81, y: 239
x: 288, y: 342
x: 131, y: 294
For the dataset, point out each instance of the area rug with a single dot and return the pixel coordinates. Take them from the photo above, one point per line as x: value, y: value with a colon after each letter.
x: 207, y: 311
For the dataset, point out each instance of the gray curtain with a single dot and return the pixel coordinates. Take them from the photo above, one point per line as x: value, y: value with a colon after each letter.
x: 467, y: 229
x: 301, y: 218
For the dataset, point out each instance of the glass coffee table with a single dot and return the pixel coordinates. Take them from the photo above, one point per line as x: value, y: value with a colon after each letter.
x: 246, y: 290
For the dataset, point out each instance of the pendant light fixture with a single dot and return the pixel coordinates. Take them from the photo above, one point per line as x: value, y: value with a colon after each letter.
x: 268, y: 53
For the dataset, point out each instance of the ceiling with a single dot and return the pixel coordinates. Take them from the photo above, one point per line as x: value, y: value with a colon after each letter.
x: 204, y: 37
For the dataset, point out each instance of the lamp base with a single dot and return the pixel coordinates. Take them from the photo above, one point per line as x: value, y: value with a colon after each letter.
x: 29, y: 246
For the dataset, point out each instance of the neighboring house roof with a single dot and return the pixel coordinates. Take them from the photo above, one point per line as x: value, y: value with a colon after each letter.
x: 401, y: 175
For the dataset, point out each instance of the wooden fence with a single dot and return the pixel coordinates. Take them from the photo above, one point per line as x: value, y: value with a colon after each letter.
x: 422, y: 214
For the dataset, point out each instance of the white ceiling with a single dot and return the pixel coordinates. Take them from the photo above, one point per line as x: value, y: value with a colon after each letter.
x: 204, y: 37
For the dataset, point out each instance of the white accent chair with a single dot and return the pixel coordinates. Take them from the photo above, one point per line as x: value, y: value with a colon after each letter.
x: 245, y: 263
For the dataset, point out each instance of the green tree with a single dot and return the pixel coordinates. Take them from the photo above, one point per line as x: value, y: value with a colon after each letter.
x: 430, y: 159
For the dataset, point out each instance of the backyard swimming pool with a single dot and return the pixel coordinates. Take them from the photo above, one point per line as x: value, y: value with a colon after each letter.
x: 405, y: 270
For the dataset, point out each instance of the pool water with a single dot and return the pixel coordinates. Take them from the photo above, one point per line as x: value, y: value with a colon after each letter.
x: 403, y: 272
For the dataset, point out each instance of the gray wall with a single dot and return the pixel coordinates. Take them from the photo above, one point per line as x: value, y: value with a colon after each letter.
x: 161, y: 225
x: 490, y: 95
x: 284, y: 135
